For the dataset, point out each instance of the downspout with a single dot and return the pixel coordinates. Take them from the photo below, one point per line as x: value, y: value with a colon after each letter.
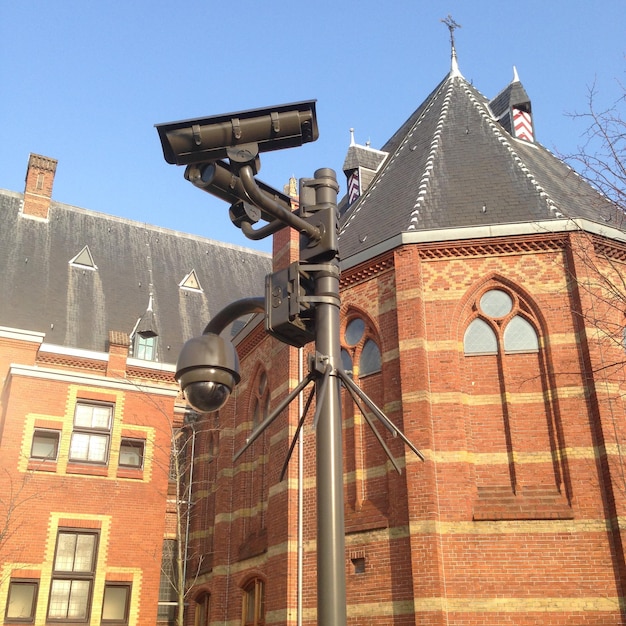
x: 300, y: 567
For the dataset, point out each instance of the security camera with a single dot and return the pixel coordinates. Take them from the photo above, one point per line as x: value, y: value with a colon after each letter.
x: 213, y: 138
x: 207, y: 371
x: 217, y: 179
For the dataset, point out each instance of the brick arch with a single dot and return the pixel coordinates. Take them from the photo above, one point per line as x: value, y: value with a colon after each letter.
x: 368, y: 493
x: 464, y: 313
x: 254, y: 478
x: 512, y: 418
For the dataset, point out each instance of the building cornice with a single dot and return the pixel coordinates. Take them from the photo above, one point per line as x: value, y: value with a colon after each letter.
x: 444, y: 236
x: 77, y: 378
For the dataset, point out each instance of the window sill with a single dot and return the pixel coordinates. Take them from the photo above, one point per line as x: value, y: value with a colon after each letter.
x: 42, y: 465
x: 89, y: 470
x: 533, y: 503
x: 130, y: 472
x: 366, y: 517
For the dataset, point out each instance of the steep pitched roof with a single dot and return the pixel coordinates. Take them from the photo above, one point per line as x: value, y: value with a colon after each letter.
x: 80, y: 274
x: 452, y: 165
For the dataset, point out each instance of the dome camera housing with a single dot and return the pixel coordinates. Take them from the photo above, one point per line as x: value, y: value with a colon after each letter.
x: 207, y: 371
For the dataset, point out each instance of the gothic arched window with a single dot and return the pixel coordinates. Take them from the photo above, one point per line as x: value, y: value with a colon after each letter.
x: 509, y: 406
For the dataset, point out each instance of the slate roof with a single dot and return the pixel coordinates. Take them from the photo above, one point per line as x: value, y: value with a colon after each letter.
x: 452, y: 165
x: 76, y: 307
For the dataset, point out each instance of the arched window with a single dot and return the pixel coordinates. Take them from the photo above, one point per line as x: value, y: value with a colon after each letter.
x: 519, y: 335
x: 253, y: 609
x: 500, y: 324
x: 255, y: 473
x: 361, y: 359
x: 360, y: 352
x: 203, y: 610
x: 510, y: 412
x: 480, y: 338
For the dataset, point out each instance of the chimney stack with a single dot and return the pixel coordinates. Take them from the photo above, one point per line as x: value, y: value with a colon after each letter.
x: 38, y: 189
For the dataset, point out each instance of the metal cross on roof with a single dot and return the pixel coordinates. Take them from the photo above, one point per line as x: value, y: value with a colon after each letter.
x: 452, y: 26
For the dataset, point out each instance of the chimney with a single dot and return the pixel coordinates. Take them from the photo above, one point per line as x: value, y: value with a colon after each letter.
x: 38, y: 189
x: 119, y: 342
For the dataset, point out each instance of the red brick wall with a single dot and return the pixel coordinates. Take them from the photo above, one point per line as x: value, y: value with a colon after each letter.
x: 512, y: 517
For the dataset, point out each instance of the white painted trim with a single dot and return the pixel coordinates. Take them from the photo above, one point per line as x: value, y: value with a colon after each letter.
x: 77, y: 352
x: 75, y: 378
x: 21, y: 335
x: 151, y: 365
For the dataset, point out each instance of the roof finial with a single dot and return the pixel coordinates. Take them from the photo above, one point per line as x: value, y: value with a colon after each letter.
x: 452, y: 26
x: 515, y: 75
x: 352, y: 136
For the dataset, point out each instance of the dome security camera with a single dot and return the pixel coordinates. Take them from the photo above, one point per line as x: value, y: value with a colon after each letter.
x: 207, y: 371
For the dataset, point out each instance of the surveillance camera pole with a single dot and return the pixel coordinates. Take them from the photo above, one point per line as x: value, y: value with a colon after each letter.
x: 319, y: 256
x: 313, y: 284
x: 331, y: 578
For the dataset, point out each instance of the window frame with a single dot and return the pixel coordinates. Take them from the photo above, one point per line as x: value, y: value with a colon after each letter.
x: 167, y: 598
x: 500, y: 325
x: 117, y: 585
x: 22, y: 582
x: 141, y: 345
x: 73, y: 575
x: 92, y: 432
x: 356, y: 333
x: 202, y: 613
x: 51, y: 433
x: 133, y: 442
x: 255, y: 589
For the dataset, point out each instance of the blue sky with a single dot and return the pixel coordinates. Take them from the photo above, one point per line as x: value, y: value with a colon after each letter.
x: 85, y: 81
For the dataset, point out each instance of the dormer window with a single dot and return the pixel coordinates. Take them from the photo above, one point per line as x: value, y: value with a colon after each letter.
x: 144, y: 347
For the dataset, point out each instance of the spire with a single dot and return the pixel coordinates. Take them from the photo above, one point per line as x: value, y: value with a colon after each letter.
x: 146, y: 327
x: 452, y: 26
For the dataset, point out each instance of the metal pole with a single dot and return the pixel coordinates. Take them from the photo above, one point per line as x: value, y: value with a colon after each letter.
x: 331, y: 578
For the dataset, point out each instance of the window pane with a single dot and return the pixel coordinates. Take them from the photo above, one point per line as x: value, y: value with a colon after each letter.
x: 79, y: 447
x: 92, y: 416
x: 79, y: 598
x: 480, y: 338
x: 22, y: 597
x: 131, y: 453
x: 354, y: 331
x: 91, y: 448
x: 115, y: 602
x: 59, y: 597
x: 101, y: 417
x: 370, y: 358
x: 45, y: 445
x: 346, y: 362
x: 75, y: 552
x: 66, y: 546
x: 520, y: 335
x: 144, y: 347
x: 69, y: 599
x: 85, y: 544
x: 496, y: 303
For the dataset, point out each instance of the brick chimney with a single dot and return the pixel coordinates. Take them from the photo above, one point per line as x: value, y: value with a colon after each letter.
x: 38, y: 189
x: 119, y: 343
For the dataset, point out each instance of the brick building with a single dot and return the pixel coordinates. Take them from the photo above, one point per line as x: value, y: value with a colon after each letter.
x: 482, y: 309
x: 93, y: 313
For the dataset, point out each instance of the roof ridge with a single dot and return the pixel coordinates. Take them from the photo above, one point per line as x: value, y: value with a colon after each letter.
x: 485, y: 111
x: 361, y: 202
x: 424, y: 182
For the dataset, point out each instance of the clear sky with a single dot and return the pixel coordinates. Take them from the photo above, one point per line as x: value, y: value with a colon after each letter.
x: 85, y: 81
